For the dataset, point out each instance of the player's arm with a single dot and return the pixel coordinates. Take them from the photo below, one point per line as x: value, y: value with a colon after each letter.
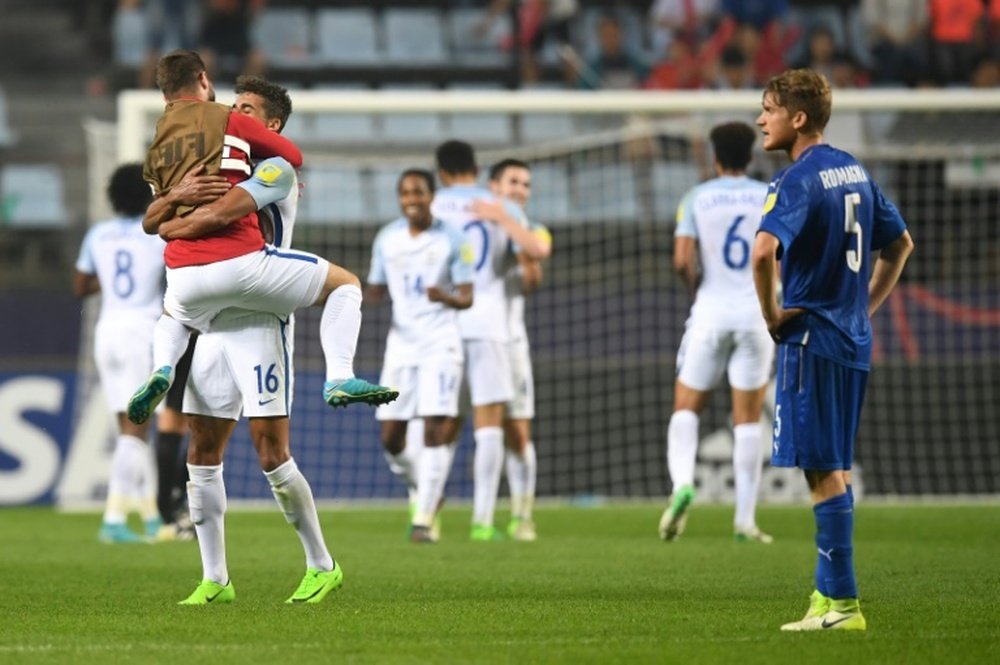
x: 531, y: 243
x: 271, y: 181
x: 765, y: 280
x: 529, y: 274
x: 460, y: 298
x: 194, y: 189
x: 263, y: 142
x: 685, y: 260
x: 85, y: 284
x: 887, y: 270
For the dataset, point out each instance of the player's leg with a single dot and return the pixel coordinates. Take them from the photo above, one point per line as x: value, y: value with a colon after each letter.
x: 437, y: 398
x: 207, y: 501
x: 491, y: 388
x: 522, y: 466
x: 125, y: 482
x: 700, y: 362
x: 291, y: 490
x: 395, y: 416
x: 749, y: 371
x: 171, y: 499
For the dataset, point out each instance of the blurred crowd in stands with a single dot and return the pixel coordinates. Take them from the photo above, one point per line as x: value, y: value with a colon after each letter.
x: 663, y: 44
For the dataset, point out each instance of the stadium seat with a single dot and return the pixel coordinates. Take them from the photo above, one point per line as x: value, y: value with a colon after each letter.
x: 283, y: 35
x: 347, y: 36
x: 130, y: 37
x: 384, y: 197
x: 333, y: 195
x: 633, y: 36
x: 411, y: 128
x: 414, y: 36
x: 345, y: 127
x: 481, y: 127
x: 550, y: 194
x: 537, y: 127
x: 605, y: 193
x: 471, y: 49
x: 671, y: 180
x: 31, y: 195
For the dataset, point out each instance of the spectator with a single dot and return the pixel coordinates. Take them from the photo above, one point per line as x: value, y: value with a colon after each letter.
x: 734, y: 71
x: 540, y: 23
x: 172, y: 24
x: 688, y: 67
x: 844, y: 72
x: 225, y: 37
x: 615, y: 67
x: 819, y: 50
x: 766, y: 51
x: 954, y: 25
x: 843, y: 19
x: 986, y: 73
x: 897, y: 34
x: 672, y: 19
x: 758, y: 13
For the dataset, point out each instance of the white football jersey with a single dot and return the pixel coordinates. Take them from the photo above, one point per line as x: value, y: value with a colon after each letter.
x: 408, y: 265
x: 282, y: 215
x: 723, y: 214
x: 129, y: 265
x: 492, y: 255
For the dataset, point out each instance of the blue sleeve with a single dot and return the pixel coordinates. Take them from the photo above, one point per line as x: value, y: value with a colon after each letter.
x: 85, y: 262
x: 685, y: 217
x: 786, y: 209
x: 271, y: 181
x: 887, y: 223
x: 460, y: 266
x: 376, y: 273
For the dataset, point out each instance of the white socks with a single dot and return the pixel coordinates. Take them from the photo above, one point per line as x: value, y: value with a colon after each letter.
x: 488, y: 465
x: 207, y: 502
x: 682, y: 447
x: 522, y: 470
x: 295, y: 498
x: 405, y: 463
x: 170, y: 341
x: 131, y: 480
x: 432, y: 475
x: 338, y: 331
x: 747, y: 470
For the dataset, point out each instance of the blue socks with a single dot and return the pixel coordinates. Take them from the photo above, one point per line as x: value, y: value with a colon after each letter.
x: 835, y: 547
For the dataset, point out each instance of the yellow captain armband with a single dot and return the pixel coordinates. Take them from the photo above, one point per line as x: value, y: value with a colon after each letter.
x: 465, y: 252
x: 268, y: 172
x: 543, y: 234
x: 769, y: 202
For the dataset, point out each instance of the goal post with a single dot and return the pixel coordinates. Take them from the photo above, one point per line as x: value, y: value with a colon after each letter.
x: 608, y: 171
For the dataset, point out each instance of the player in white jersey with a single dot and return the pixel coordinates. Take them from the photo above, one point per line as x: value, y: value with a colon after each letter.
x: 243, y: 365
x: 125, y: 265
x: 425, y: 266
x: 716, y: 223
x: 496, y: 231
x: 511, y: 179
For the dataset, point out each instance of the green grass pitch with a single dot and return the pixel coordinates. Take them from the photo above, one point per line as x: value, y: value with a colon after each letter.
x: 598, y: 587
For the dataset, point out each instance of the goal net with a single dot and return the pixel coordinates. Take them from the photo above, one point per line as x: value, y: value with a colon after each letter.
x: 608, y: 172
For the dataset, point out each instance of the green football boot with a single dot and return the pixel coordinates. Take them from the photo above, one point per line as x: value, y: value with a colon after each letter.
x: 145, y: 400
x: 209, y: 592
x: 485, y: 533
x: 674, y: 518
x: 118, y: 533
x: 316, y: 584
x: 349, y: 391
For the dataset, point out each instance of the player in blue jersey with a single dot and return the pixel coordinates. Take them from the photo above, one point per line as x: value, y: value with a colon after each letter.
x: 823, y: 217
x: 716, y: 222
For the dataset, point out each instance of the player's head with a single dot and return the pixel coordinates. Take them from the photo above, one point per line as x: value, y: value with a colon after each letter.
x: 511, y: 179
x: 732, y: 143
x: 796, y: 103
x: 455, y: 160
x: 261, y: 99
x: 416, y: 191
x: 128, y: 192
x: 182, y: 73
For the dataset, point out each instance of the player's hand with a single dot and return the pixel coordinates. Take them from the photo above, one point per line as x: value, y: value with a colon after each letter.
x: 196, y: 189
x: 783, y: 317
x: 435, y: 294
x: 490, y: 211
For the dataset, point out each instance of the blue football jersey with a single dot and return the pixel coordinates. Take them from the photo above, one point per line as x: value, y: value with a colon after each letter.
x: 828, y: 215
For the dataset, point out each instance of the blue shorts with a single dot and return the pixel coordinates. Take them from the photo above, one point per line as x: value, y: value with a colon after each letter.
x: 817, y: 408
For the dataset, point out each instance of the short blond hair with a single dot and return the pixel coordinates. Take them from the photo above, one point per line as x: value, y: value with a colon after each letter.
x: 803, y: 90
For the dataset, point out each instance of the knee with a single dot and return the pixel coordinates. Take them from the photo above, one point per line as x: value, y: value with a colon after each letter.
x: 394, y: 444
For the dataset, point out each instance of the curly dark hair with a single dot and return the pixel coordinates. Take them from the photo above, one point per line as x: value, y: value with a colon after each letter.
x: 456, y: 157
x: 733, y: 144
x: 277, y: 103
x: 128, y: 192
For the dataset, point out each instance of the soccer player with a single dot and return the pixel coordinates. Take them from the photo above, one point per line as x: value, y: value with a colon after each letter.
x: 511, y: 180
x: 425, y: 266
x: 126, y: 266
x: 243, y: 364
x: 496, y: 231
x: 823, y: 217
x: 716, y: 222
x: 231, y: 266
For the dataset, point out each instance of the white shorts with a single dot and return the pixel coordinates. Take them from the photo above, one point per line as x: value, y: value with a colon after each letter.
x: 271, y: 280
x: 427, y: 389
x: 123, y: 353
x: 244, y: 365
x: 488, y: 377
x: 706, y: 352
x: 522, y: 407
